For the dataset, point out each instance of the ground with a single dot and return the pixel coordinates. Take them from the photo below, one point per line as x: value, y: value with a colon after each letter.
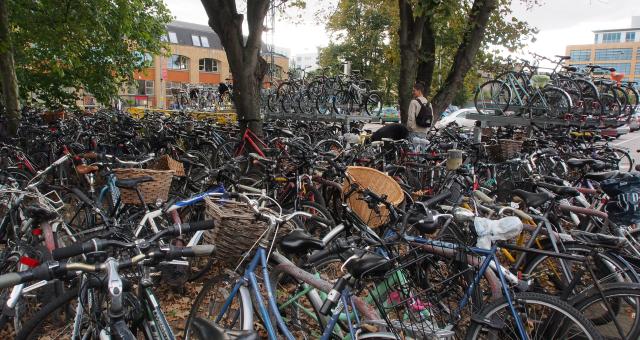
x: 630, y: 141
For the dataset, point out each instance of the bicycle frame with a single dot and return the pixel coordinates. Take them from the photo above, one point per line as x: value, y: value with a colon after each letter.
x: 248, y: 137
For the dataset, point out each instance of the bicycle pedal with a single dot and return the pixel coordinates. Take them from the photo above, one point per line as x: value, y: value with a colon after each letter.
x: 492, y: 322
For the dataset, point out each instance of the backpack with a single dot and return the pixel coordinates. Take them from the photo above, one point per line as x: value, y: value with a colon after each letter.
x: 425, y: 116
x: 624, y: 198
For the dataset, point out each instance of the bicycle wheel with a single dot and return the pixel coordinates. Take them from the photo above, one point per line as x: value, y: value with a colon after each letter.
x: 57, y: 314
x: 311, y: 225
x: 634, y: 98
x: 373, y: 104
x: 210, y: 301
x: 543, y: 317
x: 341, y: 103
x: 591, y: 104
x: 618, y: 159
x: 550, y: 102
x: 624, y: 300
x: 492, y: 98
x: 298, y: 304
x: 549, y: 277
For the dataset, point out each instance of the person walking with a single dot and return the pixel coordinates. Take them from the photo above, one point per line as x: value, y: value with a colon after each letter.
x: 420, y: 114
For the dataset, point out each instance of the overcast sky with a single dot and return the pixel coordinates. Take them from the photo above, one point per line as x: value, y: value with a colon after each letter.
x: 561, y: 22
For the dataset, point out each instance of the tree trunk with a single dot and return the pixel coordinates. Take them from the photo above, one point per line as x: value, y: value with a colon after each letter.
x: 427, y: 57
x: 410, y: 32
x: 246, y: 65
x: 463, y: 60
x: 8, y: 73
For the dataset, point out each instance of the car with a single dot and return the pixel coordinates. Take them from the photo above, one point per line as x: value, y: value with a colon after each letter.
x: 615, y: 132
x: 449, y: 110
x: 390, y: 114
x: 458, y: 117
x: 634, y: 121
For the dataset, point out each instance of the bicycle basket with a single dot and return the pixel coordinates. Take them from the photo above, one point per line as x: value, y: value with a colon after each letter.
x: 158, y: 189
x: 540, y: 80
x: 237, y: 229
x: 624, y: 204
x: 379, y: 183
x: 167, y: 163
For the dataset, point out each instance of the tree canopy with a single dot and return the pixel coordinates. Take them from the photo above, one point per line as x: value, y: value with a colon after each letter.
x: 64, y: 47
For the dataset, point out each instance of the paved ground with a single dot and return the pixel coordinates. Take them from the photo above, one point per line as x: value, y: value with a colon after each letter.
x: 630, y: 141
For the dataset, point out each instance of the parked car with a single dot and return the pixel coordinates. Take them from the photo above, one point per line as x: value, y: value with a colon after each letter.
x: 634, y: 122
x: 458, y: 117
x: 615, y: 132
x: 390, y: 114
x: 449, y: 110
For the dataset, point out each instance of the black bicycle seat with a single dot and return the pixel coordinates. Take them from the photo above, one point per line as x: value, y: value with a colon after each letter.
x: 132, y: 183
x: 582, y: 163
x: 300, y: 242
x: 533, y: 199
x: 601, y: 176
x: 560, y: 190
x: 369, y: 264
x: 39, y: 214
x: 603, y: 240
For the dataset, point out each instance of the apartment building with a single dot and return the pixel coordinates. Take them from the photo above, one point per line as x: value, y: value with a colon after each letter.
x: 197, y: 57
x: 612, y: 48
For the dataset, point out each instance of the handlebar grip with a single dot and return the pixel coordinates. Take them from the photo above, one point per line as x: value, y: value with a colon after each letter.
x: 437, y: 198
x: 77, y: 249
x: 202, y: 250
x: 10, y: 280
x: 200, y: 225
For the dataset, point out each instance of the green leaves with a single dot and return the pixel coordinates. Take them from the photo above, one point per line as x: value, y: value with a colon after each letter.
x: 63, y: 47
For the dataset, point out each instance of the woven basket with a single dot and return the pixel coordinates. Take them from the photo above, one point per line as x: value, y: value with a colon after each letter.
x: 237, y: 229
x: 153, y: 191
x: 504, y: 150
x: 167, y: 163
x: 379, y: 183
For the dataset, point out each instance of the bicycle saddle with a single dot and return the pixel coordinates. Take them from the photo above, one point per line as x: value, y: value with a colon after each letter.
x: 560, y: 190
x: 205, y: 329
x: 132, y: 183
x: 259, y: 158
x: 601, y: 176
x: 86, y: 169
x: 603, y: 240
x: 581, y: 163
x: 299, y: 242
x: 369, y: 264
x: 533, y: 199
x: 39, y: 214
x: 493, y: 230
x: 554, y: 180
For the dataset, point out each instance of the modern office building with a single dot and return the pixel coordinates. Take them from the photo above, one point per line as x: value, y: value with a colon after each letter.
x: 307, y: 61
x: 617, y: 48
x: 197, y: 57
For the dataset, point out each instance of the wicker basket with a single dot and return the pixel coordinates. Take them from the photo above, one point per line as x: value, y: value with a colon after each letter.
x: 379, y: 183
x: 504, y: 150
x: 237, y: 229
x: 167, y: 163
x: 158, y: 189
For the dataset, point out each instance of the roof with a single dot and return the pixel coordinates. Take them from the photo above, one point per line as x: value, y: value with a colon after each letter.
x: 617, y: 30
x: 184, y: 30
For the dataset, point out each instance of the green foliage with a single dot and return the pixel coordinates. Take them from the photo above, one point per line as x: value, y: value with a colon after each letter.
x: 64, y: 47
x: 366, y: 34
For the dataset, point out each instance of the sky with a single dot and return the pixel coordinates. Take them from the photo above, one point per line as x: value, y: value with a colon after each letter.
x: 561, y: 23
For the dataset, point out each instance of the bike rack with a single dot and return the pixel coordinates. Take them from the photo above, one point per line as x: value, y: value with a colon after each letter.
x: 490, y: 120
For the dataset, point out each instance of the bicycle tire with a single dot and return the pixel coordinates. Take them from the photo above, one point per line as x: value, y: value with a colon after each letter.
x: 244, y: 313
x: 376, y: 103
x: 499, y: 98
x: 619, y: 292
x: 31, y: 328
x: 489, y: 315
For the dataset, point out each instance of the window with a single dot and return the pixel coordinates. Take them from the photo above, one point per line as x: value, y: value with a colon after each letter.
x: 205, y: 41
x: 196, y: 40
x: 141, y: 88
x: 173, y: 38
x: 613, y: 54
x: 637, y: 72
x: 611, y: 37
x: 580, y: 55
x: 178, y: 62
x: 620, y: 68
x: 595, y: 38
x: 630, y: 36
x: 208, y: 65
x: 164, y: 38
x: 144, y: 59
x: 170, y: 86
